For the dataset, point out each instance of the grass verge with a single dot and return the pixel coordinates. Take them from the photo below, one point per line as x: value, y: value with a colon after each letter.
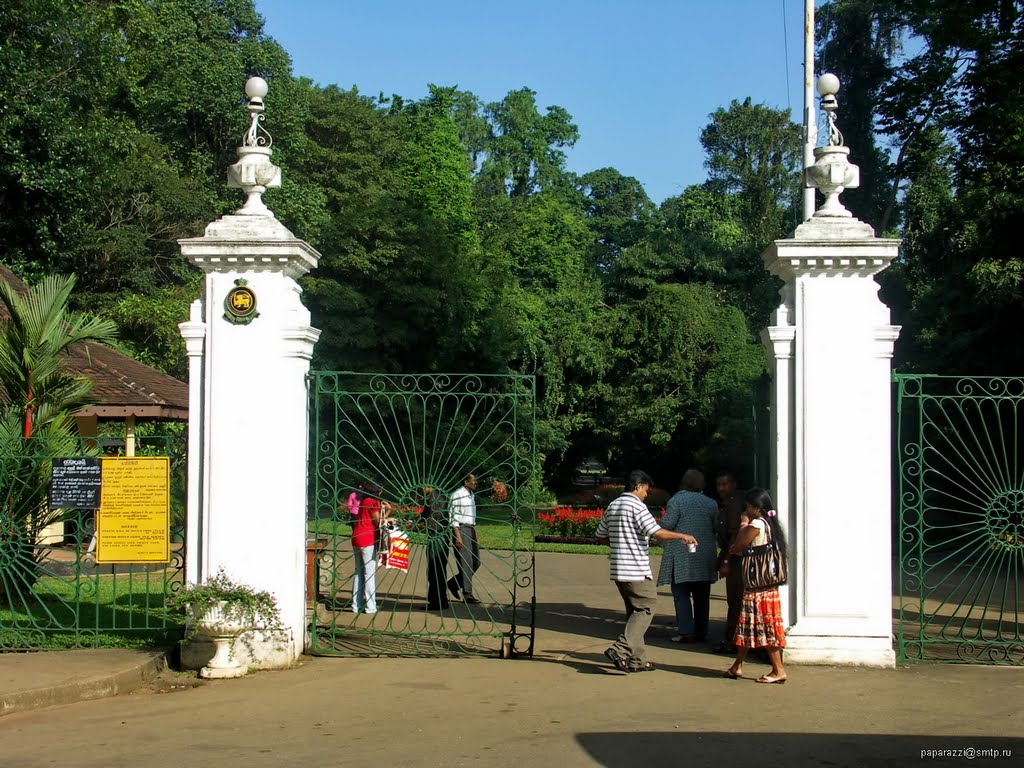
x: 100, y: 611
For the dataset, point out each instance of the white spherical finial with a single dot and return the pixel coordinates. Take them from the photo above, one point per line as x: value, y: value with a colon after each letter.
x: 828, y: 85
x: 256, y: 88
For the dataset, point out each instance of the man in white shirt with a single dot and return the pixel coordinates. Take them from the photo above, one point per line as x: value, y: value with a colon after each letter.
x: 467, y: 548
x: 626, y: 526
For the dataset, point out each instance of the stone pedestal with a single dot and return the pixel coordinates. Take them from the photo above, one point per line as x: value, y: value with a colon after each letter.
x: 248, y: 440
x: 831, y: 346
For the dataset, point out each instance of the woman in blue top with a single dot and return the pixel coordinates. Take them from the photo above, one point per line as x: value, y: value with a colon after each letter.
x: 691, y: 574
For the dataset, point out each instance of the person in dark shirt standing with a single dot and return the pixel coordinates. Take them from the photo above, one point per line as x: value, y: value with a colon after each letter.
x: 730, y: 510
x: 435, y: 522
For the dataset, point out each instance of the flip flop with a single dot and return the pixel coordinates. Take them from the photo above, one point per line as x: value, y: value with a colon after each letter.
x: 731, y: 675
x: 769, y: 680
x: 621, y: 662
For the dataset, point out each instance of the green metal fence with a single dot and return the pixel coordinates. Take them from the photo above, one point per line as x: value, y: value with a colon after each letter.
x: 53, y: 594
x: 416, y: 437
x: 961, y: 518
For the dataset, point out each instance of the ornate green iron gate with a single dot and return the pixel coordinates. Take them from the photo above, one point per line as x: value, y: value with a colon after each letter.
x: 415, y: 437
x: 53, y: 594
x: 961, y: 518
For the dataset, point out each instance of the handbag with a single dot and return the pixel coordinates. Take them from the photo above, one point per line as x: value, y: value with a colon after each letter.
x: 394, y: 552
x: 763, y: 566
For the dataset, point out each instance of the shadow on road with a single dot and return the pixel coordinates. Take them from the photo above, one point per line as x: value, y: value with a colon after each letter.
x: 836, y: 750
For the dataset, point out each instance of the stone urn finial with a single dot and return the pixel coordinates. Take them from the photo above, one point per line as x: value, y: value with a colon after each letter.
x: 832, y: 171
x: 254, y: 174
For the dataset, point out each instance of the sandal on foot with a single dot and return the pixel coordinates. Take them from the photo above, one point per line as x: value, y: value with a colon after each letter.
x: 769, y: 680
x: 621, y: 662
x: 645, y: 667
x: 731, y: 675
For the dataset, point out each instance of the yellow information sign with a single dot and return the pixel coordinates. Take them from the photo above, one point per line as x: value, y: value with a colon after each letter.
x: 133, y: 524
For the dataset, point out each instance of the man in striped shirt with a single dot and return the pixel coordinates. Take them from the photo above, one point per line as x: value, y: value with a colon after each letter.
x: 626, y: 526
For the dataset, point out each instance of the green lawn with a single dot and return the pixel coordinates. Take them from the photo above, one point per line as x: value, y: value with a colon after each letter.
x: 494, y: 530
x: 100, y: 611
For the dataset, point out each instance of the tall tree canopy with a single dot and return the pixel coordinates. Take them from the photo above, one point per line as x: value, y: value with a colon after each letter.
x: 940, y: 95
x: 454, y: 237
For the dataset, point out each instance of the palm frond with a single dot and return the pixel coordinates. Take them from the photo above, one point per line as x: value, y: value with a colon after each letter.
x: 33, y: 345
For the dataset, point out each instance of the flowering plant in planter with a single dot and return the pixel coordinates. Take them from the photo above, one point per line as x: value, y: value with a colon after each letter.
x: 221, y: 611
x: 219, y: 593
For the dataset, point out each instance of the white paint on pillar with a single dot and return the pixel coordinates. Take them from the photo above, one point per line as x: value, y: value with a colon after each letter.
x: 194, y: 334
x: 836, y: 494
x: 255, y: 416
x: 779, y: 339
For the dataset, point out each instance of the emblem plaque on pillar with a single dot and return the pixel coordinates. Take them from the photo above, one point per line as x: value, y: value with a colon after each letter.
x: 240, y: 304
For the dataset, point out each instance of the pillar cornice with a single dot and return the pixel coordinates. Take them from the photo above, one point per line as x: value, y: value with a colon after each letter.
x: 237, y: 243
x: 194, y: 334
x: 779, y: 339
x: 860, y: 257
x: 885, y: 339
x: 299, y: 341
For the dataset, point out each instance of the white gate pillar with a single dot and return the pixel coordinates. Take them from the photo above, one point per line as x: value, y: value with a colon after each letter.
x: 247, y: 465
x: 831, y: 344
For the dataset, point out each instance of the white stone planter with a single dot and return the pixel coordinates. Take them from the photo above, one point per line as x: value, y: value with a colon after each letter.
x: 222, y: 625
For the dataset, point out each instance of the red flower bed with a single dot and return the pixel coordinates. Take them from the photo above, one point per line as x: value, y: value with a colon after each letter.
x: 574, y: 522
x: 569, y: 521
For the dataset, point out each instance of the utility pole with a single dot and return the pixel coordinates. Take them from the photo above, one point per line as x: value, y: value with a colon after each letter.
x: 810, y: 124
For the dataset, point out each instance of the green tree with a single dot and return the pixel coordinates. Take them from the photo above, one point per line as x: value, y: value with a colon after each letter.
x: 754, y: 152
x: 25, y: 466
x: 36, y: 423
x: 619, y: 212
x: 693, y: 238
x: 753, y: 156
x: 950, y: 110
x: 523, y: 147
x: 545, y: 313
x: 683, y: 359
x: 116, y: 123
x: 40, y: 329
x: 352, y: 161
x: 859, y: 40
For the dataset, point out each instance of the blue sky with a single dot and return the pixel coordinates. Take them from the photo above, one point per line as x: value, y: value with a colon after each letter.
x: 639, y: 77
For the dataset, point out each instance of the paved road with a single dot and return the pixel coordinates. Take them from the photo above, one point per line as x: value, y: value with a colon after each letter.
x: 564, y: 708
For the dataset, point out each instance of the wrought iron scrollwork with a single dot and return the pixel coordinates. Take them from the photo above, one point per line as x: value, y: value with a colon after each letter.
x: 411, y: 435
x: 961, y: 538
x: 53, y: 595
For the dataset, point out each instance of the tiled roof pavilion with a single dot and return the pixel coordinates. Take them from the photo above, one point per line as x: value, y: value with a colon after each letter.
x: 124, y: 387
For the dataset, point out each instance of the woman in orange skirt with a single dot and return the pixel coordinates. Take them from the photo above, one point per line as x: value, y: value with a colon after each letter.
x: 760, y: 624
